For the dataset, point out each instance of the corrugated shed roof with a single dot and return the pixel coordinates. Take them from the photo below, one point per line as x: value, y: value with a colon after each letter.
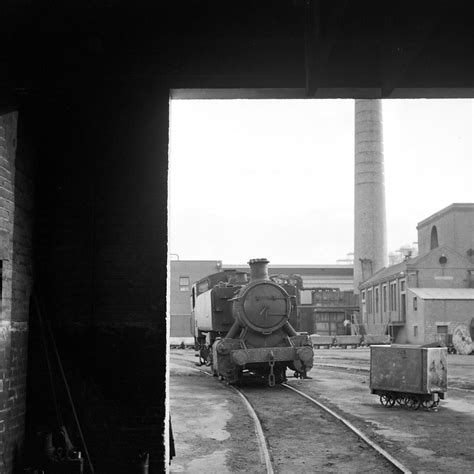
x: 444, y: 293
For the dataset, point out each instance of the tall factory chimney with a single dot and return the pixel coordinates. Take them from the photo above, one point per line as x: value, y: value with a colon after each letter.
x: 370, y: 228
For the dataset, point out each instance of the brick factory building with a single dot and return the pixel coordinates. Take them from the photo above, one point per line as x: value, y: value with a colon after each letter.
x: 183, y: 273
x: 423, y: 299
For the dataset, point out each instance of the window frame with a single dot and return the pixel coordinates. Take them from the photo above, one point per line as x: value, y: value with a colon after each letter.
x: 184, y: 287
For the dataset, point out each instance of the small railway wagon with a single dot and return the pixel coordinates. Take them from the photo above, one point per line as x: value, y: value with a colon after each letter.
x: 408, y: 375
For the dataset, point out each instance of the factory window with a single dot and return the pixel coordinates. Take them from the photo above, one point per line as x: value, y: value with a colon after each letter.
x: 384, y: 298
x: 442, y: 329
x: 369, y: 301
x: 415, y: 331
x: 415, y: 303
x: 376, y: 309
x: 306, y: 297
x: 183, y: 283
x: 434, y: 237
x: 364, y: 308
x: 393, y: 296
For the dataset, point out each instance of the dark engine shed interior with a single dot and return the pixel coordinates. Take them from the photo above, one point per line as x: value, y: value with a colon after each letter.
x: 84, y: 102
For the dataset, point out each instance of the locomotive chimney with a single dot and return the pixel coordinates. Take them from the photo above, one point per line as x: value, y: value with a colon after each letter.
x: 259, y: 269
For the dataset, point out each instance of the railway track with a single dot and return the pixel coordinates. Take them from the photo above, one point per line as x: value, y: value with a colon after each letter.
x: 297, y: 433
x: 303, y: 435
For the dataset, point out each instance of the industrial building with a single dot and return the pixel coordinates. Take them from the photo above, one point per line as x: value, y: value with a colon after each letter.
x: 183, y: 273
x: 325, y: 294
x: 423, y: 299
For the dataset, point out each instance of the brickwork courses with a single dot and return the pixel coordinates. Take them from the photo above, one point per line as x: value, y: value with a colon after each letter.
x: 15, y: 231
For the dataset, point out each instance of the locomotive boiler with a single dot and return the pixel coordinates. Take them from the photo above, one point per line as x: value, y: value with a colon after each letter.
x: 242, y: 326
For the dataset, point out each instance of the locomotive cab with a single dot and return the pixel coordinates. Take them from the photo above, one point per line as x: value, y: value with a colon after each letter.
x: 242, y: 327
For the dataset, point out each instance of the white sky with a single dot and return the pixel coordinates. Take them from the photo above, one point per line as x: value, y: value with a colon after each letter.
x: 274, y: 178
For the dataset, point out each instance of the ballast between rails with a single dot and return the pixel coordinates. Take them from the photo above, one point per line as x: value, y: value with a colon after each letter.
x: 264, y: 453
x: 349, y: 425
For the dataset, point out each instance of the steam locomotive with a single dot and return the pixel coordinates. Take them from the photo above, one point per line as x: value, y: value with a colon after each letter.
x: 242, y: 328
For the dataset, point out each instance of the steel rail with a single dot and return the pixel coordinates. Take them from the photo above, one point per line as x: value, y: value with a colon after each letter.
x: 355, y: 430
x: 262, y: 443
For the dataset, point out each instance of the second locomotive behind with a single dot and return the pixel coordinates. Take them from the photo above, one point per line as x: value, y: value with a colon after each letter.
x: 242, y: 326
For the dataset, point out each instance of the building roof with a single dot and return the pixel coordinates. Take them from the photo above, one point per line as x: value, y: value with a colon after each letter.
x: 444, y: 293
x: 292, y: 266
x: 467, y: 206
x: 385, y: 272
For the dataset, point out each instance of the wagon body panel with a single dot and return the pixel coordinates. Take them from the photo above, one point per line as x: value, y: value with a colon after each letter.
x: 437, y: 369
x: 408, y: 369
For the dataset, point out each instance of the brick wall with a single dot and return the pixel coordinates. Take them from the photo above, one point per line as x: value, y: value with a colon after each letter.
x: 455, y: 229
x: 180, y: 304
x: 100, y: 266
x: 16, y: 200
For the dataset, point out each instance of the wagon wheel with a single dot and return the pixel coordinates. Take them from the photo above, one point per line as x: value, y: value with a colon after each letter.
x: 387, y: 400
x: 416, y: 403
x: 413, y: 402
x: 430, y: 404
x: 400, y: 400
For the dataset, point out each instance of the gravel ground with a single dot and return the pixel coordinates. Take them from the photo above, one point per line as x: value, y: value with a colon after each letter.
x: 305, y: 439
x: 222, y: 438
x: 211, y: 426
x: 425, y: 441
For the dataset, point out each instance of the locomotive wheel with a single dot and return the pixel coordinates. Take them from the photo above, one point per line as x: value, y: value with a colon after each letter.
x: 387, y: 400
